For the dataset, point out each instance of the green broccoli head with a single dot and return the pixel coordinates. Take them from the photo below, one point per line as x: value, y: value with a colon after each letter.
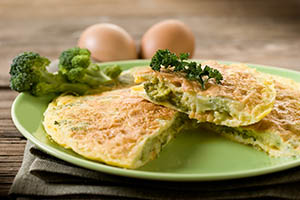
x: 76, y: 66
x: 112, y: 71
x: 29, y: 74
x: 74, y: 56
x: 76, y: 74
x: 27, y: 69
x: 82, y: 61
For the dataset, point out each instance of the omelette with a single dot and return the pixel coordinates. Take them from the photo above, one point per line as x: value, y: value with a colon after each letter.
x: 115, y: 127
x: 244, y: 97
x: 278, y: 133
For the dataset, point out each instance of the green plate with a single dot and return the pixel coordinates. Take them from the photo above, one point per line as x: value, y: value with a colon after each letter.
x: 195, y: 155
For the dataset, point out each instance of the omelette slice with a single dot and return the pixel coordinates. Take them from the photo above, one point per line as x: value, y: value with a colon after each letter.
x: 115, y: 127
x: 244, y: 97
x: 278, y: 133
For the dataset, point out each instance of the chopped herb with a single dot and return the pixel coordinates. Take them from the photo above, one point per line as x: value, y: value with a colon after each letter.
x: 193, y: 70
x: 56, y: 123
x: 75, y: 128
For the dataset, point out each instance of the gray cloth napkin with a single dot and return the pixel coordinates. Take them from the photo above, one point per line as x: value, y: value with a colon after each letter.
x: 45, y: 177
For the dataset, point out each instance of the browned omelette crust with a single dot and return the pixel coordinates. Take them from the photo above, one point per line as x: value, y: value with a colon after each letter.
x: 249, y: 90
x: 278, y: 133
x: 107, y: 127
x: 236, y: 84
x: 284, y: 119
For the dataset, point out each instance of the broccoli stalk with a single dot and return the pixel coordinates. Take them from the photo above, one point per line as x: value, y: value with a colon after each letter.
x: 75, y: 65
x: 29, y: 74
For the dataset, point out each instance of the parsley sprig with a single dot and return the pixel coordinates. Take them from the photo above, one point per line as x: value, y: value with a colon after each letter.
x: 193, y: 70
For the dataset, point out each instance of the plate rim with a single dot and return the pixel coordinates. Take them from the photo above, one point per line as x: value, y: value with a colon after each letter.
x: 162, y: 176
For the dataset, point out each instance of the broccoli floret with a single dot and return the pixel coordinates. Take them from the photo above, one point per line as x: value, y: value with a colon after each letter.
x: 76, y: 74
x: 112, y: 71
x: 29, y: 74
x: 26, y: 70
x: 66, y: 57
x: 76, y: 67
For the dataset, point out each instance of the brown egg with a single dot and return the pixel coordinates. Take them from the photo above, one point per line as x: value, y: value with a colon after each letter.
x: 108, y: 42
x: 169, y: 34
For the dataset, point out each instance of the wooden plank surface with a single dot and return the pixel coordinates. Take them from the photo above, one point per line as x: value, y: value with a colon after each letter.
x: 255, y: 31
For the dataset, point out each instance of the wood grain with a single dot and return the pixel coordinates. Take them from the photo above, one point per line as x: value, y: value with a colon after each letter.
x: 263, y: 32
x: 256, y: 31
x: 220, y: 8
x: 12, y: 143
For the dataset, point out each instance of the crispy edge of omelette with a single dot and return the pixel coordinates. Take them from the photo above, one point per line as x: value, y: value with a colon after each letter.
x: 120, y: 129
x: 244, y: 97
x: 278, y: 134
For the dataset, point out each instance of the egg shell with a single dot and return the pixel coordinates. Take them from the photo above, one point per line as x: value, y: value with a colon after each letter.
x: 169, y: 34
x: 108, y: 42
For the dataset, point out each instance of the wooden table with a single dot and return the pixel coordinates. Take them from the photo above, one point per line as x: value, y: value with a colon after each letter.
x: 255, y: 31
